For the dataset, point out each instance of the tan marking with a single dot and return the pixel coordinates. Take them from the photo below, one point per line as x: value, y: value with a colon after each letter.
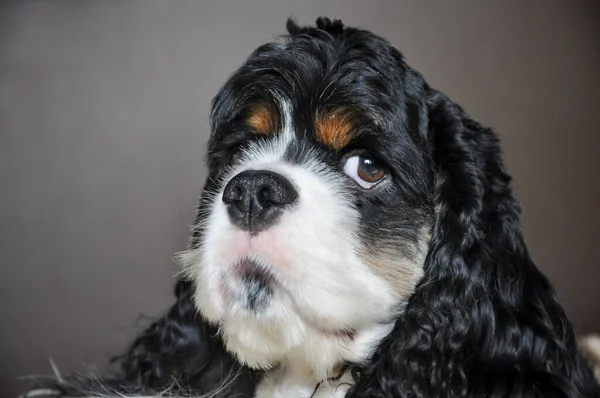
x: 400, y: 269
x: 263, y: 118
x: 401, y: 274
x: 334, y: 129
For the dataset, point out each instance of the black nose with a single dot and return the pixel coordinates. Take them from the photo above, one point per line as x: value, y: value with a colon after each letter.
x: 255, y: 199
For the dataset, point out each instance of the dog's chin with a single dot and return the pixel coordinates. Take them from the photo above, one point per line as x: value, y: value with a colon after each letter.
x: 279, y: 333
x: 261, y: 341
x: 260, y: 322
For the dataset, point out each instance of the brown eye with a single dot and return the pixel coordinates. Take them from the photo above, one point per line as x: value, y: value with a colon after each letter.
x: 369, y: 171
x: 366, y: 172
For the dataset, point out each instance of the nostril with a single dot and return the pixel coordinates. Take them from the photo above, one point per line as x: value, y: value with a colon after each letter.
x: 265, y: 194
x: 232, y: 193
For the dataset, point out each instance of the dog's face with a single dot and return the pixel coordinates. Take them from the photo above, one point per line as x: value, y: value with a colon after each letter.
x: 316, y: 218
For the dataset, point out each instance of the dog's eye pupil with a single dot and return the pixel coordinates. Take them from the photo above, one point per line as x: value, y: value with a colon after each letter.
x: 366, y: 172
x: 369, y: 171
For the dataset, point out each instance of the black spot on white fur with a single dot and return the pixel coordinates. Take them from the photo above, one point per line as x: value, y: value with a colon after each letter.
x: 258, y: 287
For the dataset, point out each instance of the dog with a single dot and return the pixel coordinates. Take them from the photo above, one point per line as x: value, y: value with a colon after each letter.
x: 357, y: 236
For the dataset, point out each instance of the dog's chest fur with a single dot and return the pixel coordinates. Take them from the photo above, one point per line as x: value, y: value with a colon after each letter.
x: 297, y: 376
x: 284, y: 382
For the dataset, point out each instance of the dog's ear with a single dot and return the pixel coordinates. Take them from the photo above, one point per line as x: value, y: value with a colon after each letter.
x: 483, y: 321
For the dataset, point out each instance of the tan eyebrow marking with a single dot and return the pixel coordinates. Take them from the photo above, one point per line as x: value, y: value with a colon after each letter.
x: 335, y: 129
x: 263, y: 118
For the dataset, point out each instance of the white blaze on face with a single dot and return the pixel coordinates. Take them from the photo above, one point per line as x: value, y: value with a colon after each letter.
x: 321, y: 285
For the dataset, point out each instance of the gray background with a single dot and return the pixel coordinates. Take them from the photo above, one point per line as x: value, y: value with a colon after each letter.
x: 103, y: 115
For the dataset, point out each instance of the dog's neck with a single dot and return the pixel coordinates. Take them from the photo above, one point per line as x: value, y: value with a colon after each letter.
x: 304, y: 374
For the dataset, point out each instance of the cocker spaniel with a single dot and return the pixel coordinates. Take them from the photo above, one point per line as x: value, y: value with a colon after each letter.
x: 357, y: 237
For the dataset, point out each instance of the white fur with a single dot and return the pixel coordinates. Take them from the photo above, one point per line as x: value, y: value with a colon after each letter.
x: 323, y: 285
x: 285, y: 382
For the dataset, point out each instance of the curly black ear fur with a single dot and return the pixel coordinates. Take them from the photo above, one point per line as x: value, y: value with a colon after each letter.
x: 483, y: 322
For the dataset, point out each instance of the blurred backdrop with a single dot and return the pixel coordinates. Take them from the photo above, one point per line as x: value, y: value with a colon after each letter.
x: 103, y: 121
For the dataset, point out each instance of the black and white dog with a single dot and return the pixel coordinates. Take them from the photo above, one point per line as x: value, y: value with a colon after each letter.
x: 357, y: 236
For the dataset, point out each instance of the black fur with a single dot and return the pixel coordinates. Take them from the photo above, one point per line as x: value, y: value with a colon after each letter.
x: 483, y: 321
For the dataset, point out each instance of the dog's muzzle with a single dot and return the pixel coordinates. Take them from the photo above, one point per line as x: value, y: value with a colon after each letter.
x: 256, y: 199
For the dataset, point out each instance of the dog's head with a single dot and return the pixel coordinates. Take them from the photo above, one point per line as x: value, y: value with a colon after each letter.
x: 317, y: 216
